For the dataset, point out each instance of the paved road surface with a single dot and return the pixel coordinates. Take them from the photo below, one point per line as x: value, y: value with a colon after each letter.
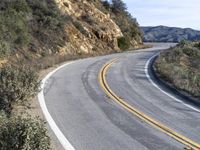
x: 92, y: 121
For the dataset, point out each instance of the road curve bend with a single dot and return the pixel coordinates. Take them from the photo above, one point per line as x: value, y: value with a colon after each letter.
x: 89, y: 118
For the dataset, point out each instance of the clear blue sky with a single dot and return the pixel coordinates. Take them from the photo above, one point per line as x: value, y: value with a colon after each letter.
x: 178, y: 13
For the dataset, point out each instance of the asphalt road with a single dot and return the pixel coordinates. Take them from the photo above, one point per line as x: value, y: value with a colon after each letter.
x: 90, y: 120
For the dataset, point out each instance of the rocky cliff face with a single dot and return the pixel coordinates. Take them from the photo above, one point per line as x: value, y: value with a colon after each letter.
x: 90, y: 30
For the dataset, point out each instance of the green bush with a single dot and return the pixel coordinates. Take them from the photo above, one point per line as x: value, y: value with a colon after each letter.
x: 124, y: 42
x: 18, y: 133
x: 18, y: 84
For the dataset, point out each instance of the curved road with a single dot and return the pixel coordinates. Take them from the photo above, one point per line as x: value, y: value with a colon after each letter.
x: 90, y: 120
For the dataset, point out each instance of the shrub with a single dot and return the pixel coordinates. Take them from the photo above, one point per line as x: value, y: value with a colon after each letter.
x: 87, y: 19
x: 18, y: 133
x: 18, y: 83
x: 106, y: 5
x: 79, y: 27
x: 197, y: 45
x: 123, y: 43
x: 181, y: 67
x: 183, y: 43
x: 4, y: 49
x: 119, y: 6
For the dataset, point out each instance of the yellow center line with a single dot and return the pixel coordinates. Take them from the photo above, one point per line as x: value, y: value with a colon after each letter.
x: 182, y: 139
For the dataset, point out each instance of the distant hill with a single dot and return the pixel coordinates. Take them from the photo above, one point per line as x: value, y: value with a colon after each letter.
x: 169, y: 34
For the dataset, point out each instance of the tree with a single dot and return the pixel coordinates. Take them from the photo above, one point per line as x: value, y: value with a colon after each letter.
x: 106, y: 4
x: 124, y: 42
x: 119, y: 6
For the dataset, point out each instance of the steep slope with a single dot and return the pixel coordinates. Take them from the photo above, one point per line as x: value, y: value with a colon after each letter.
x: 169, y: 34
x: 34, y: 29
x: 90, y: 30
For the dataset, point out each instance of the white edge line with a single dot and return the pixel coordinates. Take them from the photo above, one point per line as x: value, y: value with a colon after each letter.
x: 157, y: 86
x: 62, y: 139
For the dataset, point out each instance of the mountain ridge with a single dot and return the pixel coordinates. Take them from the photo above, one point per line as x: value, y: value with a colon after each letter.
x: 169, y: 34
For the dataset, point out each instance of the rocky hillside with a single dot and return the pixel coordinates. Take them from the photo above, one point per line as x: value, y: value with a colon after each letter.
x: 90, y: 30
x: 169, y: 34
x: 33, y: 29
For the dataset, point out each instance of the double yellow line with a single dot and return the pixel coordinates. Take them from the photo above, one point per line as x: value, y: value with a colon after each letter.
x: 182, y: 139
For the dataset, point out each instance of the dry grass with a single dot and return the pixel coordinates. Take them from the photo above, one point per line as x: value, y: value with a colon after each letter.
x: 180, y: 66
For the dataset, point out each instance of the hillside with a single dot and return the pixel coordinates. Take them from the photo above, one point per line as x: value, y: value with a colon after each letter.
x: 35, y: 29
x: 169, y: 34
x: 36, y: 35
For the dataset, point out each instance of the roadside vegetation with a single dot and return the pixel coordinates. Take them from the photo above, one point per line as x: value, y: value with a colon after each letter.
x: 180, y: 66
x: 25, y: 25
x: 18, y: 84
x: 124, y: 42
x: 18, y: 133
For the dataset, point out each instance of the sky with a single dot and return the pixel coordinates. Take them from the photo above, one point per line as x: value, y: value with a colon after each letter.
x: 175, y: 13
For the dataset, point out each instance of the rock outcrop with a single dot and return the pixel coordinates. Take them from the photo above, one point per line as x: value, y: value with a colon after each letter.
x: 91, y: 31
